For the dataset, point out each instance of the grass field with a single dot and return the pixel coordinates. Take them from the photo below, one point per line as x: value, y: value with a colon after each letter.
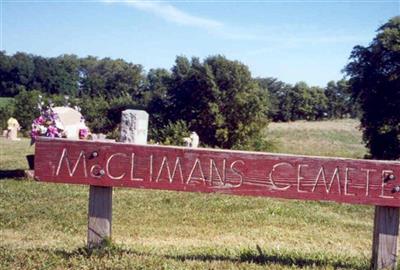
x: 323, y: 138
x: 4, y: 101
x: 43, y: 226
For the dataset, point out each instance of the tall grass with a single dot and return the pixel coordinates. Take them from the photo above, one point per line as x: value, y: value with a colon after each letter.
x: 341, y: 138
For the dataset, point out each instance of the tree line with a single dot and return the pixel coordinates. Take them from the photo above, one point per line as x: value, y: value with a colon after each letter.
x: 217, y: 97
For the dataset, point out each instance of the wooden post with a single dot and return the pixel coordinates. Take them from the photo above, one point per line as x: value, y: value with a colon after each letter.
x: 384, y: 245
x: 134, y: 125
x: 100, y: 215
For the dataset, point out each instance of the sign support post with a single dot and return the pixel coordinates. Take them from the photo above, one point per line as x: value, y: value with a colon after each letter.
x: 384, y: 243
x: 134, y: 125
x: 99, y: 216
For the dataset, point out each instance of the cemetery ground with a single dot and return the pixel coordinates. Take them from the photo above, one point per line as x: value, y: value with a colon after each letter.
x: 44, y: 226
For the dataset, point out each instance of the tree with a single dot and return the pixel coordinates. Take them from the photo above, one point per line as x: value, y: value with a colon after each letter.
x: 374, y: 73
x: 65, y: 73
x: 26, y: 108
x: 95, y: 111
x: 242, y: 105
x: 6, y: 84
x: 219, y: 100
x: 16, y: 72
x: 277, y: 91
x: 156, y: 102
x: 22, y: 68
x: 319, y: 103
x: 340, y: 104
x: 110, y: 78
x: 301, y: 106
x: 298, y: 102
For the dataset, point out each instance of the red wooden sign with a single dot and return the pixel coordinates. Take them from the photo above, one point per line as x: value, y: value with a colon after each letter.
x: 209, y: 170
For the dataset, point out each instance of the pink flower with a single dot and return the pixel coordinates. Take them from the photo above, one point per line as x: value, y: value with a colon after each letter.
x: 39, y: 121
x: 34, y: 133
x: 83, y: 133
x: 52, y: 132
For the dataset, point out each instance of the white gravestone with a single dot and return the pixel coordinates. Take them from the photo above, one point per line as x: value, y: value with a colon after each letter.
x: 134, y: 124
x: 192, y: 141
x: 70, y: 121
x: 12, y: 129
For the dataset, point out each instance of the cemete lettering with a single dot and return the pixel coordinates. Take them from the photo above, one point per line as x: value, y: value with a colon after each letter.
x: 113, y: 164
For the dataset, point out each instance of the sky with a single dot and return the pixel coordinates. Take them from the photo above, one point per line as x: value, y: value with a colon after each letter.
x: 293, y: 40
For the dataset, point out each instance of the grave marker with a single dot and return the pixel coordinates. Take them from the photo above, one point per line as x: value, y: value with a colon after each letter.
x: 134, y: 130
x: 12, y: 129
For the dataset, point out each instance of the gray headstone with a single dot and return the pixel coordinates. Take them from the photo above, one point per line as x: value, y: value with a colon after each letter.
x: 134, y: 125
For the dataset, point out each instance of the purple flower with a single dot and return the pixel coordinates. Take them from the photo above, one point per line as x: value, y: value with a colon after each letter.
x: 52, y: 132
x: 83, y: 133
x: 39, y: 121
x: 34, y: 133
x: 45, y: 124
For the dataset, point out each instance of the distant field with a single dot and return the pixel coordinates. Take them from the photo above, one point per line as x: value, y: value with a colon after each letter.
x: 341, y: 138
x: 43, y: 226
x: 4, y: 101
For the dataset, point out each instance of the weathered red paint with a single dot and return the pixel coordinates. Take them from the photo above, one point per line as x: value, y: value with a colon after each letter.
x: 222, y: 171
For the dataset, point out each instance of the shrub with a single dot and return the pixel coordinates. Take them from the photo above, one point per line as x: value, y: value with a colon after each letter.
x: 6, y: 112
x: 171, y: 134
x: 94, y: 110
x: 26, y: 108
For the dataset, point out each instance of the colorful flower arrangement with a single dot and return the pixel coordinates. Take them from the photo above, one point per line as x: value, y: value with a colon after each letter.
x: 48, y: 124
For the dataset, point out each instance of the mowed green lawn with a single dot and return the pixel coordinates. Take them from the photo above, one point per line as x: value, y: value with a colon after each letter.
x: 4, y: 101
x: 43, y: 226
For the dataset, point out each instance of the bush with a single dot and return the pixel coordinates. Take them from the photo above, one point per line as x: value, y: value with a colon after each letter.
x: 6, y: 112
x: 170, y: 134
x: 218, y: 99
x: 94, y: 110
x: 26, y: 108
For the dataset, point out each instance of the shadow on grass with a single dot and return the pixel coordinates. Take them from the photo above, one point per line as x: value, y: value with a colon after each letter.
x: 256, y: 256
x: 297, y: 260
x: 7, y: 174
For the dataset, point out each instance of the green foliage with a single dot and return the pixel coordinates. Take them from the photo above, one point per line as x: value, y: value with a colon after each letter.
x: 170, y: 134
x: 7, y: 110
x: 26, y: 108
x: 69, y: 75
x: 298, y: 102
x: 95, y: 110
x: 60, y: 100
x: 216, y: 97
x: 302, y: 102
x: 103, y: 115
x: 276, y: 91
x: 319, y: 104
x: 218, y: 100
x: 110, y: 78
x: 340, y: 103
x: 155, y: 98
x: 375, y: 82
x: 114, y: 112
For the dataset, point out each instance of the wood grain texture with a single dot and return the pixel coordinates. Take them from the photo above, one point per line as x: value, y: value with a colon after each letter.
x: 222, y: 171
x: 384, y: 244
x: 99, y: 216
